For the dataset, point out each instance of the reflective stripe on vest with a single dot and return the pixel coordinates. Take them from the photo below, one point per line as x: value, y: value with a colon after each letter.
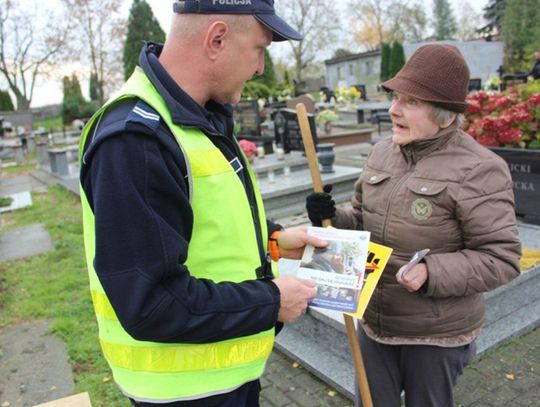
x: 165, y: 372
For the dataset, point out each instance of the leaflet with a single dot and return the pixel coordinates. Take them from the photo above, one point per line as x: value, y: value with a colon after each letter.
x: 338, y: 268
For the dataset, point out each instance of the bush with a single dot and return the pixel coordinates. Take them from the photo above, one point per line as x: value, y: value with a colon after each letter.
x: 256, y: 90
x: 505, y: 119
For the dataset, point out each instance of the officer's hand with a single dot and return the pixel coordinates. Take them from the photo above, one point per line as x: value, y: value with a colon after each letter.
x: 295, y: 294
x: 320, y: 205
x: 292, y: 242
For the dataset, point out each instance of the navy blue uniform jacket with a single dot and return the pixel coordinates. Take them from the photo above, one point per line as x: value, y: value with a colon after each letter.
x: 134, y: 178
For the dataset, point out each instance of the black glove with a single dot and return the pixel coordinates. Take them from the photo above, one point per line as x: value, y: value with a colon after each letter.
x: 320, y: 205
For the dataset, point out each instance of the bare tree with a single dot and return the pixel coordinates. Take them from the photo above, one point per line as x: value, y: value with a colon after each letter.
x: 368, y: 22
x: 409, y: 23
x: 468, y: 22
x: 318, y: 21
x: 30, y: 41
x: 99, y: 37
x: 378, y: 21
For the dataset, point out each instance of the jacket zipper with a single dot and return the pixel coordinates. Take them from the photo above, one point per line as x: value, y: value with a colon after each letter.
x: 385, y: 223
x: 389, y: 203
x: 250, y: 194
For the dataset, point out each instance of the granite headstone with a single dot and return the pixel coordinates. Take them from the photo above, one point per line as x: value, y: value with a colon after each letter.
x: 287, y: 130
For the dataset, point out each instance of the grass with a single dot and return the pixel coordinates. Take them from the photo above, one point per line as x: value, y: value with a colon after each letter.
x: 50, y: 123
x: 55, y: 286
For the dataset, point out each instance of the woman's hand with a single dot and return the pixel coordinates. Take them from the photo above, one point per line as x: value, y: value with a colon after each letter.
x: 414, y: 279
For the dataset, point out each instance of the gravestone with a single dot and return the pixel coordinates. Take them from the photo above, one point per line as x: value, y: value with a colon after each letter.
x: 510, y: 79
x: 360, y: 117
x: 524, y: 166
x: 59, y: 161
x: 246, y: 113
x: 248, y: 116
x: 307, y: 100
x: 287, y: 130
x: 18, y: 153
x: 475, y: 84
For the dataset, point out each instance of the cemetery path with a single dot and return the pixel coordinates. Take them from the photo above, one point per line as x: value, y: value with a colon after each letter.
x: 34, y: 365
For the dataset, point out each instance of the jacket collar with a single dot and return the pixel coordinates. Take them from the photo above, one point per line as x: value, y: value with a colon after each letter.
x: 214, y: 118
x: 418, y: 149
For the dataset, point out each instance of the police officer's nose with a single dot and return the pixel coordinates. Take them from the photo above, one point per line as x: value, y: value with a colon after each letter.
x: 260, y: 66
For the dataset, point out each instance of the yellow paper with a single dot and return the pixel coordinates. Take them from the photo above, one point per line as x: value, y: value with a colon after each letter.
x: 377, y: 259
x: 529, y: 258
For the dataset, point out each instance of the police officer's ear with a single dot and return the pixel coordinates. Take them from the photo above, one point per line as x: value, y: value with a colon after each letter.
x: 214, y: 41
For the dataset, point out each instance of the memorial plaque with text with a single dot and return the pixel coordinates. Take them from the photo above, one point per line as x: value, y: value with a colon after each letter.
x: 524, y: 166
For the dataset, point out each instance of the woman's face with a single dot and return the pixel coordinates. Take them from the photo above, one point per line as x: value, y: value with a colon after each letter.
x: 411, y: 119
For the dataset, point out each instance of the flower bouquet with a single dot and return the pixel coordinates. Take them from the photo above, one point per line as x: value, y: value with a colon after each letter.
x: 249, y: 148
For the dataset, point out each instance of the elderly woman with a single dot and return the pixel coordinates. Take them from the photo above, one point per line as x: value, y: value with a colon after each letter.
x: 429, y: 186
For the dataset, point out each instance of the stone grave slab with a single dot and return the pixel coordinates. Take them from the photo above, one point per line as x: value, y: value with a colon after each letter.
x: 20, y: 200
x: 286, y: 195
x: 25, y: 242
x: 295, y: 160
x: 10, y: 185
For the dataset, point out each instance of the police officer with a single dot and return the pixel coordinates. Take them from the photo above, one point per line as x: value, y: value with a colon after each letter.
x: 176, y: 236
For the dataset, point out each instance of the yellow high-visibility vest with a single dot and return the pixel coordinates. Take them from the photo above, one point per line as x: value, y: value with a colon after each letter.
x: 223, y: 247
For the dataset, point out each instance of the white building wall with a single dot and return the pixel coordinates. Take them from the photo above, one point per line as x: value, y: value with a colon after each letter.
x: 483, y: 58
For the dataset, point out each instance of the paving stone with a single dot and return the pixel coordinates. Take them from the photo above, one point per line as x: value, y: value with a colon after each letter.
x: 303, y: 397
x: 275, y: 397
x: 307, y: 381
x: 489, y: 374
x: 282, y: 381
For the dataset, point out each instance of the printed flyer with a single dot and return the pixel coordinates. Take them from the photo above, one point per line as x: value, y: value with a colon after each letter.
x: 338, y: 268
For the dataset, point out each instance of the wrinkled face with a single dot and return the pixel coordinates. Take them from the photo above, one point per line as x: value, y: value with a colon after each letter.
x: 411, y: 119
x: 244, y: 59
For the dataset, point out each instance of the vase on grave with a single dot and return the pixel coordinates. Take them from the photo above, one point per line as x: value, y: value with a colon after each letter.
x: 326, y: 157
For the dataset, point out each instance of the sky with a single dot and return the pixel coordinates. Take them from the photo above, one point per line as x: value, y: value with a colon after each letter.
x: 47, y: 93
x: 162, y: 8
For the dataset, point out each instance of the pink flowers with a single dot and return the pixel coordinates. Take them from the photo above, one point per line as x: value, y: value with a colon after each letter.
x: 508, y: 119
x: 249, y: 148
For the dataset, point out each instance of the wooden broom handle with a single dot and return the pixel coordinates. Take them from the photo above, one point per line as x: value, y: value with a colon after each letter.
x: 311, y: 156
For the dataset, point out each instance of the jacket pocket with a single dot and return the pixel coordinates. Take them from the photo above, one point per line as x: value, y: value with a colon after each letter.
x: 374, y: 188
x: 426, y: 199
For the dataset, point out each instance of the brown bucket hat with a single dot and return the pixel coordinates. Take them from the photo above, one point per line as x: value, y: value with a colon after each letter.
x: 435, y: 73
